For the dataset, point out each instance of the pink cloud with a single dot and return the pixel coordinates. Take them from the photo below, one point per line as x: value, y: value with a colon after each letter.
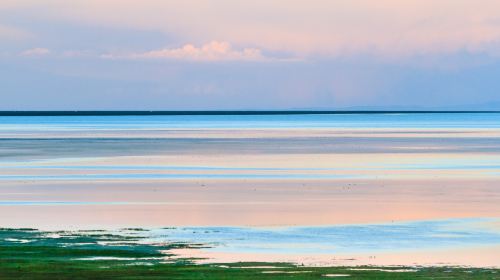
x: 213, y: 51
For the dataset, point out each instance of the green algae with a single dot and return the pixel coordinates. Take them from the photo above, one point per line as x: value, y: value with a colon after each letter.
x: 31, y: 254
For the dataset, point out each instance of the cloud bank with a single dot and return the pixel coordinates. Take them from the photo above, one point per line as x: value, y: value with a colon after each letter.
x: 213, y: 51
x: 316, y: 27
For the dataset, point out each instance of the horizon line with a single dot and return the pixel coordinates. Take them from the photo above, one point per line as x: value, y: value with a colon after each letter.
x: 227, y: 112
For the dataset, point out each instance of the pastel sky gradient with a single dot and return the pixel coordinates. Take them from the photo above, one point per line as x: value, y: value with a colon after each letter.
x: 259, y: 54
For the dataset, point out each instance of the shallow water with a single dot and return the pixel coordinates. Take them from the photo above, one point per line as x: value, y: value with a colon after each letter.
x: 326, y: 185
x: 356, y: 238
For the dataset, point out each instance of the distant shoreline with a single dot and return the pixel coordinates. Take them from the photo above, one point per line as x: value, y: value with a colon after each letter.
x: 230, y: 112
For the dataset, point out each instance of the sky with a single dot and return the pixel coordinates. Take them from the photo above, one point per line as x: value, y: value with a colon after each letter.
x: 249, y: 55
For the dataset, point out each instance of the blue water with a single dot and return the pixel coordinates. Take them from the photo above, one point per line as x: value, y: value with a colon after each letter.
x: 17, y: 152
x: 403, y: 120
x: 437, y: 234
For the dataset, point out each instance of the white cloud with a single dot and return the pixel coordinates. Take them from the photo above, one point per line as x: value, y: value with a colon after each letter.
x: 36, y: 52
x: 213, y: 51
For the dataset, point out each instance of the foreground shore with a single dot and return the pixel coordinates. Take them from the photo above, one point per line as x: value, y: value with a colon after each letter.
x: 32, y: 254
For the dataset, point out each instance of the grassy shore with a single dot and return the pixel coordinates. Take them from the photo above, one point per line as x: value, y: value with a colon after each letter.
x: 32, y: 254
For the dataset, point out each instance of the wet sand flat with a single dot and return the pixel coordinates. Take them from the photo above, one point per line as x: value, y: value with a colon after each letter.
x: 243, y: 202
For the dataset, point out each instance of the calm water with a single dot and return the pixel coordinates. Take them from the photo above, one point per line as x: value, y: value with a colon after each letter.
x: 260, y: 185
x: 436, y: 120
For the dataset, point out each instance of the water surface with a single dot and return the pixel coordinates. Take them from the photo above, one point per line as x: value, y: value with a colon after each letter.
x: 263, y: 185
